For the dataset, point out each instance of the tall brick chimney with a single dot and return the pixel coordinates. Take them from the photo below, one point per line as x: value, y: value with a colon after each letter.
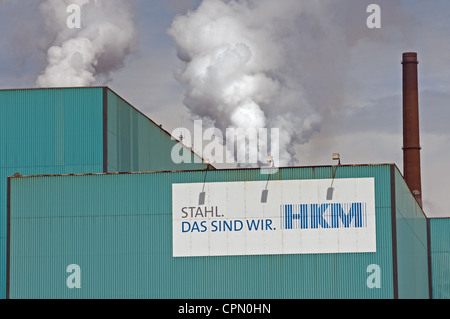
x: 411, y: 141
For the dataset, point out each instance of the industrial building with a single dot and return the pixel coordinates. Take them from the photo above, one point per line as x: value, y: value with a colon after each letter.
x: 92, y: 206
x: 119, y: 229
x: 74, y: 130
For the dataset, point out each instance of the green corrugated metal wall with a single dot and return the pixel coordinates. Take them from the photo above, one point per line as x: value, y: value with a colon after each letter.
x: 60, y: 131
x: 118, y: 229
x: 48, y: 131
x: 135, y: 143
x: 412, y: 243
x: 440, y: 257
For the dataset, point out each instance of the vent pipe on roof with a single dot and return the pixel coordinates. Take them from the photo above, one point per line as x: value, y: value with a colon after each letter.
x: 411, y: 143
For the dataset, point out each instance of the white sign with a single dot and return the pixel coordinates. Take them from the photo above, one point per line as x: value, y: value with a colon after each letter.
x: 275, y: 217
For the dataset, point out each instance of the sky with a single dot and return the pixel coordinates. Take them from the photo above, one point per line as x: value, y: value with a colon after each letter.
x: 312, y: 68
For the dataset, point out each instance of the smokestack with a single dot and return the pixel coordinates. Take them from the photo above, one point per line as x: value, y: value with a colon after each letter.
x: 411, y: 143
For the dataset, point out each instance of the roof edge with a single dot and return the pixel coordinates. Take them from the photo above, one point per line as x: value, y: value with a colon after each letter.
x: 195, y: 170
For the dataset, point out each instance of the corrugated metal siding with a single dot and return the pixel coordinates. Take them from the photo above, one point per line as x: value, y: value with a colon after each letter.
x: 118, y: 228
x: 440, y: 257
x: 412, y: 248
x: 135, y: 143
x: 60, y: 131
x: 47, y: 131
x: 38, y: 126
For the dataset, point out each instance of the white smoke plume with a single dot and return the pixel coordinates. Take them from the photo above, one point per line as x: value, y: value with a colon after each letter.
x: 275, y: 64
x: 78, y: 55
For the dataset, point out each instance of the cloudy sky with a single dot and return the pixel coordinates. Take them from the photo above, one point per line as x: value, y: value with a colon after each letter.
x: 312, y: 68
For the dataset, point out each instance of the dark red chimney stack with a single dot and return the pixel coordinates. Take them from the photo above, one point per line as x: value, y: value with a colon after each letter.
x: 411, y: 143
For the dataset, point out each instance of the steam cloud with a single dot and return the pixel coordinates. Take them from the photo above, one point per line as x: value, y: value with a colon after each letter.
x: 262, y: 64
x: 107, y: 35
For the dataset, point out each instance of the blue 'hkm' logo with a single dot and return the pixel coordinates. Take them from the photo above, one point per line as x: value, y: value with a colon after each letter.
x: 331, y: 215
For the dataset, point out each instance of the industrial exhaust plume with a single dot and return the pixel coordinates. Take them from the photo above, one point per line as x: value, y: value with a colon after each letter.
x: 78, y: 55
x: 254, y: 64
x: 242, y: 67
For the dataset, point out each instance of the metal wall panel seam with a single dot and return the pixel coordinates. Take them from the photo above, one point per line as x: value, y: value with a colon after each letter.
x: 8, y: 242
x: 430, y: 280
x: 394, y: 234
x: 105, y: 129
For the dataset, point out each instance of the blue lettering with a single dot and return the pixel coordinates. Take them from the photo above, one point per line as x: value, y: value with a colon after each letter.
x: 317, y: 216
x: 186, y: 227
x: 288, y: 216
x: 185, y: 224
x: 252, y: 225
x: 223, y: 225
x: 304, y: 216
x: 227, y: 225
x: 329, y: 215
x: 354, y: 212
x: 195, y: 227
x: 300, y: 215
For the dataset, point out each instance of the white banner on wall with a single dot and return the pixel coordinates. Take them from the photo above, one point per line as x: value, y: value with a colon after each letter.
x: 275, y: 217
